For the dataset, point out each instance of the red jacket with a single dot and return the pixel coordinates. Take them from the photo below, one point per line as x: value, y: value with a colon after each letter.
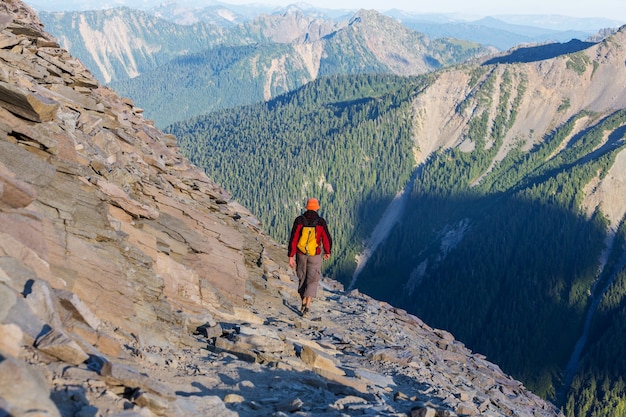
x: 321, y: 232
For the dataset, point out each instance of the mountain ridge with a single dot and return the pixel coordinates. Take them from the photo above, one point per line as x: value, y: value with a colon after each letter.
x: 249, y: 11
x: 136, y: 53
x: 293, y: 49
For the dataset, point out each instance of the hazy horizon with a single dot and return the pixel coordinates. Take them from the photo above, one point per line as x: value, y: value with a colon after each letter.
x: 614, y: 10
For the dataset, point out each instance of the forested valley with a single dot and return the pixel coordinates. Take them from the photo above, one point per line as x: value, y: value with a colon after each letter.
x: 346, y: 140
x: 497, y: 244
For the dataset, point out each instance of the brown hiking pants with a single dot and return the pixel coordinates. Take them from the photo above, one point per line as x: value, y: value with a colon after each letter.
x: 309, y: 273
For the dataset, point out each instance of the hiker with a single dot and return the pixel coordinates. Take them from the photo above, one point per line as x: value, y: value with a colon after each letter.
x: 309, y: 236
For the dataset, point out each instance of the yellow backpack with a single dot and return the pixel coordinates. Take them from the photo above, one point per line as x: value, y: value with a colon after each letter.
x: 308, y: 240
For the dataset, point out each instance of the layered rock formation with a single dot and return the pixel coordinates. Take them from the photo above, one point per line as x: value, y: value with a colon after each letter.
x: 132, y: 285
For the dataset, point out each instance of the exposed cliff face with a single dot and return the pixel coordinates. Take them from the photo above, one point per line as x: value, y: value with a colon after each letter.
x: 122, y: 43
x: 130, y: 281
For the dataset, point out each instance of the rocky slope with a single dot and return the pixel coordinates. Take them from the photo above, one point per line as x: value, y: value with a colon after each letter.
x: 131, y: 284
x: 590, y: 80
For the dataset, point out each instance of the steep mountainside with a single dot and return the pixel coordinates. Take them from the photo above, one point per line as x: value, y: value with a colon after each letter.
x: 516, y: 204
x: 132, y: 285
x: 124, y: 43
x: 512, y: 234
x: 245, y: 64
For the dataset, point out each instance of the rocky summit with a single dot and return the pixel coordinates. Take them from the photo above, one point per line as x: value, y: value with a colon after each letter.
x: 132, y: 285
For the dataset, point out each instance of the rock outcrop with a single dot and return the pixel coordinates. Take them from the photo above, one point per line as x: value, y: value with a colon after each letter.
x: 132, y: 285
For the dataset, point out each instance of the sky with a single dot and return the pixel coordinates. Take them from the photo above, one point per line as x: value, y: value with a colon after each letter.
x: 611, y: 9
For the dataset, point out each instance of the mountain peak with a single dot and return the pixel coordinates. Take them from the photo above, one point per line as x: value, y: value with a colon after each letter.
x: 368, y: 14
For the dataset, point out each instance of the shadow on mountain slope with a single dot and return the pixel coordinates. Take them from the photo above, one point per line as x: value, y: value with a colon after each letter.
x: 507, y: 275
x: 540, y: 52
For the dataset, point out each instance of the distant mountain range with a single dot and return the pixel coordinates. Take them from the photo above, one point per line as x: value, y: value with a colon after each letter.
x: 203, y: 67
x: 503, y: 34
x: 254, y: 54
x: 186, y: 12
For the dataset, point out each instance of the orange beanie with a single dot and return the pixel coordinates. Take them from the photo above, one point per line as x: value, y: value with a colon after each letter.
x: 312, y: 204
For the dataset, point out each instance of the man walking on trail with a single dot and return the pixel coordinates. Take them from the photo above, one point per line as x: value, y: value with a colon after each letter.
x: 309, y: 237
